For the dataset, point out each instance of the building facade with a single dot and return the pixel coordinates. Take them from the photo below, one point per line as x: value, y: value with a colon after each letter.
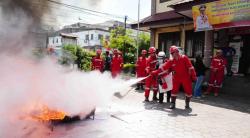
x: 175, y: 22
x: 171, y: 23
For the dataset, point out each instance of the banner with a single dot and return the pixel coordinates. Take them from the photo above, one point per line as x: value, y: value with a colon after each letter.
x: 221, y: 14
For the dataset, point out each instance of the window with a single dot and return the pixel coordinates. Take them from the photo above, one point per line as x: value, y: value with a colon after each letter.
x: 100, y: 37
x: 53, y: 41
x: 194, y: 43
x: 168, y: 39
x: 87, y: 37
x: 92, y: 37
x: 162, y: 1
x: 57, y: 40
x: 107, y: 37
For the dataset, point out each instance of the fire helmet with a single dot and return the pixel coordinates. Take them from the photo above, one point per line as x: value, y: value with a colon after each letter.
x: 161, y: 54
x: 173, y: 49
x: 151, y: 50
x: 144, y: 52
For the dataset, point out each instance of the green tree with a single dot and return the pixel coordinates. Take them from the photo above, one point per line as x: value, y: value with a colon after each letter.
x: 73, y: 54
x: 144, y: 41
x: 123, y: 42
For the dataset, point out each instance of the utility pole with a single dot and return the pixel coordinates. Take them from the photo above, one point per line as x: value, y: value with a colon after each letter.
x: 138, y: 30
x: 124, y: 44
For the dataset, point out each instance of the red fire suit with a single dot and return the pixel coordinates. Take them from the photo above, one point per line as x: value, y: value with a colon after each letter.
x: 141, y: 66
x: 97, y: 64
x: 116, y: 65
x: 151, y: 80
x: 217, y: 74
x: 183, y: 74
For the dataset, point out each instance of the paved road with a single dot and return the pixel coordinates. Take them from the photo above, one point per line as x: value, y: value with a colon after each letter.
x: 210, y: 117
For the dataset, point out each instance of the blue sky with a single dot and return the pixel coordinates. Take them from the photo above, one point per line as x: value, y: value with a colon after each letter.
x: 65, y: 16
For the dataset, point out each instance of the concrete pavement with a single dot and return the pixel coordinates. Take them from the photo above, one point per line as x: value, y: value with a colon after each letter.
x: 210, y: 117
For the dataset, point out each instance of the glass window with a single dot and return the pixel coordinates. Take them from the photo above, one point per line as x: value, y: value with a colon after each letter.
x: 92, y: 37
x: 87, y: 37
x: 168, y: 39
x: 107, y: 37
x: 194, y: 43
x: 100, y: 37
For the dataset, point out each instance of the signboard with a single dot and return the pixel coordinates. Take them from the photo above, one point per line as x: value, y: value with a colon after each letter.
x: 221, y: 14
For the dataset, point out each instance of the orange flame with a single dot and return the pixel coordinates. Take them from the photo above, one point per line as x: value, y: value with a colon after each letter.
x: 47, y: 115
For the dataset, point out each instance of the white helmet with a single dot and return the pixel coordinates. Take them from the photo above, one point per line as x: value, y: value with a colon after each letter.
x: 161, y: 54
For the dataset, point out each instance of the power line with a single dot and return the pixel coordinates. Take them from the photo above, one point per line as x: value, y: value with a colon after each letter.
x: 76, y: 7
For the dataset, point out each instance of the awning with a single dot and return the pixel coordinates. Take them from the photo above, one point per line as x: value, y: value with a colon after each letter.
x: 68, y: 35
x: 169, y: 17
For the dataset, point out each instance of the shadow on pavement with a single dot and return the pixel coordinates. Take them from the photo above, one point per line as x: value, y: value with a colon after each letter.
x: 165, y: 108
x: 241, y: 104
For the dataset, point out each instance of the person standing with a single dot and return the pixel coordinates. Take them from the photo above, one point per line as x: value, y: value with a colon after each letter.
x: 97, y: 61
x: 183, y: 74
x: 151, y: 80
x: 140, y: 69
x: 200, y: 69
x: 116, y: 64
x: 229, y: 52
x: 217, y: 67
x: 107, y: 61
x: 162, y: 80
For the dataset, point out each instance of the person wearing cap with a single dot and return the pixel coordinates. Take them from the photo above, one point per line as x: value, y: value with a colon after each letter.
x: 151, y: 80
x: 202, y: 22
x: 217, y: 67
x: 97, y: 61
x: 116, y: 64
x: 162, y: 80
x: 140, y: 69
x: 183, y: 74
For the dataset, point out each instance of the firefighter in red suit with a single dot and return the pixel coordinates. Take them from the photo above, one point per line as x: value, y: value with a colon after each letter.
x: 183, y: 74
x: 116, y: 64
x: 151, y: 80
x: 97, y: 61
x: 140, y: 68
x: 217, y: 67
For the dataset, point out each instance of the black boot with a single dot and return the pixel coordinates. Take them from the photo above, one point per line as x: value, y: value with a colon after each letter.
x: 161, y: 97
x: 187, y: 101
x: 142, y: 88
x: 137, y: 86
x: 168, y: 96
x: 173, y: 99
x: 146, y: 99
x: 155, y: 97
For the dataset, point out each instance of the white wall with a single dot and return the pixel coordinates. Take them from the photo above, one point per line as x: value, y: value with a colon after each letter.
x: 163, y: 7
x: 55, y: 42
x: 82, y: 40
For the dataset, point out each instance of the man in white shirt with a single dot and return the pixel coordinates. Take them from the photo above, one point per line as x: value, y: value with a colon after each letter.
x: 202, y: 20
